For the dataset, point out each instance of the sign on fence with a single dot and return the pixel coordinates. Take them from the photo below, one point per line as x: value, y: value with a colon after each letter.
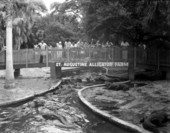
x: 92, y: 64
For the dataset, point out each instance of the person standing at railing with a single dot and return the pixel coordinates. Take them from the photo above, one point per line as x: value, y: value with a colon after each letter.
x: 36, y: 46
x: 124, y: 52
x: 36, y: 50
x: 43, y: 47
x: 64, y: 47
x: 66, y: 44
x: 59, y: 47
x: 124, y: 44
x: 108, y: 50
x: 49, y: 47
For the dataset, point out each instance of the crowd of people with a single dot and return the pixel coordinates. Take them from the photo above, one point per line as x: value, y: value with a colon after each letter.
x: 81, y: 44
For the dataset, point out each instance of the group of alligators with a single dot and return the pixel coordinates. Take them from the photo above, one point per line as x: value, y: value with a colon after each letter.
x: 152, y: 122
x: 156, y: 120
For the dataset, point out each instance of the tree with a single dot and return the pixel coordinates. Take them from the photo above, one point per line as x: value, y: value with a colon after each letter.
x: 69, y: 15
x: 9, y: 80
x: 137, y: 21
x: 2, y: 35
x: 60, y: 25
x: 56, y: 28
x: 11, y: 17
x: 30, y: 12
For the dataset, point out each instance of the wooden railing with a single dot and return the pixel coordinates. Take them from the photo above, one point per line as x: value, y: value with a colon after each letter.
x: 151, y: 57
x: 32, y: 56
x: 154, y: 57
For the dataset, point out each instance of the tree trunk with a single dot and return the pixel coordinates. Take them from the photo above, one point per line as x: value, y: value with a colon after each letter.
x: 9, y: 79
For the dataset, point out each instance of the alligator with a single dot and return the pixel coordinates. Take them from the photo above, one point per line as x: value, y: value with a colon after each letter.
x: 155, y: 120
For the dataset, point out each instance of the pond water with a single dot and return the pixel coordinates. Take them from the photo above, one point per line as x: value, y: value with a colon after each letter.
x: 60, y: 111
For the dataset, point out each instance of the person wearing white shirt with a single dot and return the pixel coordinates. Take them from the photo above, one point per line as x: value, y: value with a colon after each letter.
x: 43, y: 47
x: 59, y: 46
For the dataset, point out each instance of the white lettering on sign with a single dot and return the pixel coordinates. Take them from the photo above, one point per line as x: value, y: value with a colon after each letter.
x: 58, y: 64
x: 101, y: 64
x: 93, y: 64
x: 77, y: 64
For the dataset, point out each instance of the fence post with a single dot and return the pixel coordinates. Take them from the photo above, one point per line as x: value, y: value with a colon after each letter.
x: 5, y: 58
x: 89, y: 53
x: 16, y: 72
x: 131, y: 59
x: 55, y: 71
x: 106, y: 52
x: 158, y: 59
x: 113, y: 51
x: 68, y: 56
x: 134, y: 57
x: 47, y: 57
x: 26, y: 57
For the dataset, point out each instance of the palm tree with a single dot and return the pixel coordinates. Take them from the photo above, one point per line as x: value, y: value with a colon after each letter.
x: 9, y: 80
x: 31, y: 11
x: 14, y: 16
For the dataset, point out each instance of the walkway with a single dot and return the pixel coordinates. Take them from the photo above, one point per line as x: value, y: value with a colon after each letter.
x: 31, y: 83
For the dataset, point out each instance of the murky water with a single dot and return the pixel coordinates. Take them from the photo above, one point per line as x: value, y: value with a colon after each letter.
x: 57, y: 112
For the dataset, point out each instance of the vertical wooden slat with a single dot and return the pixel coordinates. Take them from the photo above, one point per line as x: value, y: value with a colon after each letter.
x: 47, y: 57
x: 112, y: 53
x: 135, y: 57
x: 26, y: 58
x: 168, y: 59
x: 68, y: 54
x: 131, y: 68
x: 4, y: 57
x: 89, y: 52
x: 106, y: 52
x: 158, y: 59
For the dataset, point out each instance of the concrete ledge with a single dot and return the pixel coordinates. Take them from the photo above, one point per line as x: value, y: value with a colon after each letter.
x: 70, y: 68
x: 115, y: 75
x: 125, y: 74
x: 31, y: 96
x: 115, y: 120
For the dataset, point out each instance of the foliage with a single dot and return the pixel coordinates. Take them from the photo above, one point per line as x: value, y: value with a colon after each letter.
x: 62, y: 24
x: 137, y: 21
x: 29, y: 27
x: 24, y: 13
x: 71, y: 7
x: 58, y: 28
